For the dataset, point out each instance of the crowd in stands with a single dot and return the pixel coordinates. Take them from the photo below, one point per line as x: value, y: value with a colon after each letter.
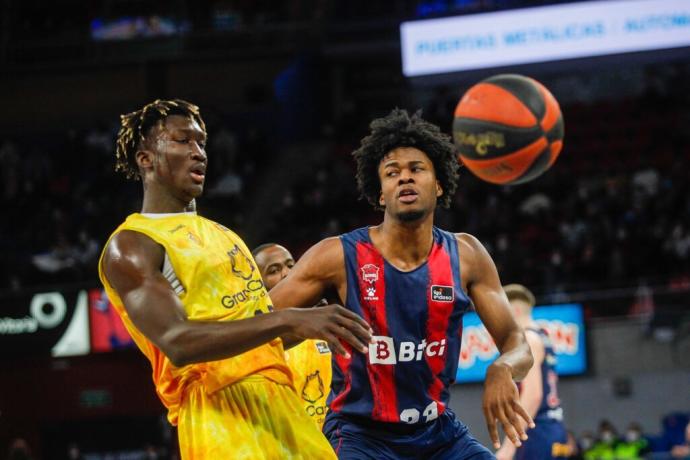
x: 608, y: 444
x: 614, y: 209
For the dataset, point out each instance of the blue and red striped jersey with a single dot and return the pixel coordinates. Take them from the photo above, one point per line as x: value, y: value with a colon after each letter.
x: 417, y: 321
x: 550, y: 406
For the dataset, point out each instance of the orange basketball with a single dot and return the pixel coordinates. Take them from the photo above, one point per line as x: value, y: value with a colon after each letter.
x: 508, y: 129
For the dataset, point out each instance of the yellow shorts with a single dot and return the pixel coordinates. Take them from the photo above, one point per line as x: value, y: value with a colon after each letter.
x: 254, y: 419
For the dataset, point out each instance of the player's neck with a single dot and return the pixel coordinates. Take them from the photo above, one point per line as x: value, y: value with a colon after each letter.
x: 156, y: 202
x: 406, y: 245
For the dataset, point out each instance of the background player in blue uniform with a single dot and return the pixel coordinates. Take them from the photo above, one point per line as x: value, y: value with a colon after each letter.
x: 538, y: 390
x: 410, y: 281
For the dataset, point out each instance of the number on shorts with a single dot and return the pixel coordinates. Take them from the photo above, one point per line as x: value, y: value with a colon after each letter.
x: 412, y: 415
x: 431, y: 411
x: 409, y: 416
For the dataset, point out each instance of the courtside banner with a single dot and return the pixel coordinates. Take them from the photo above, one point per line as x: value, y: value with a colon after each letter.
x: 541, y: 34
x: 564, y: 324
x: 51, y: 323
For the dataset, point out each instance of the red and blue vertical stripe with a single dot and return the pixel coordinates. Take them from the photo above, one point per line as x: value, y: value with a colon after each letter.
x: 418, y: 314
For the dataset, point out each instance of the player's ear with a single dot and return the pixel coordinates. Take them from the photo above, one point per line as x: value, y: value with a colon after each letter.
x: 439, y: 189
x: 382, y: 201
x: 144, y: 158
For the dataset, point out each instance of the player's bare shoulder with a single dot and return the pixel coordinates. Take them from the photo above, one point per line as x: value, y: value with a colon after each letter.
x: 469, y: 243
x: 130, y: 255
x: 470, y: 250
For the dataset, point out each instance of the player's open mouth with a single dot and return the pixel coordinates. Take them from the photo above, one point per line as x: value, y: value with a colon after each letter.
x: 198, y: 174
x: 407, y: 196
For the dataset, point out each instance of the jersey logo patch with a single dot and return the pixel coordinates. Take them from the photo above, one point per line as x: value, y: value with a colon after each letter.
x: 370, y: 273
x: 322, y: 348
x: 442, y: 293
x: 382, y: 350
x: 242, y: 265
x: 313, y: 388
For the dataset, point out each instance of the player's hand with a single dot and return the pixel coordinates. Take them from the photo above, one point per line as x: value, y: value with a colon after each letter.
x: 331, y: 323
x: 502, y: 405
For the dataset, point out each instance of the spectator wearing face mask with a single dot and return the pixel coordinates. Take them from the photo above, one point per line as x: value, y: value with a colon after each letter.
x: 605, y: 445
x: 633, y: 446
x: 586, y: 441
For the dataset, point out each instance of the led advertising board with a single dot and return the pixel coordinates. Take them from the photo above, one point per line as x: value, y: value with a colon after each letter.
x: 542, y: 34
x: 564, y: 324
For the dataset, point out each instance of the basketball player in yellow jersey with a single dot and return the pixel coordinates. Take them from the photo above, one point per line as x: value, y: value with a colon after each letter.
x: 190, y: 295
x: 309, y: 361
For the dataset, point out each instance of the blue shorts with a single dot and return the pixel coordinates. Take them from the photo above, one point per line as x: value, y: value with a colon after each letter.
x: 355, y: 438
x: 546, y: 441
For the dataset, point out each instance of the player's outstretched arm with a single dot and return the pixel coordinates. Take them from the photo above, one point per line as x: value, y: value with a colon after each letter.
x: 501, y: 398
x: 320, y: 268
x: 132, y: 266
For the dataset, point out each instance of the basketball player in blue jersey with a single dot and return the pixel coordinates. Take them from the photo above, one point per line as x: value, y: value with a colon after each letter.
x: 412, y: 282
x: 538, y: 390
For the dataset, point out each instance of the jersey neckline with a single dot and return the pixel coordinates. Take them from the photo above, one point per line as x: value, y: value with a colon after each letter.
x: 385, y: 261
x: 162, y: 215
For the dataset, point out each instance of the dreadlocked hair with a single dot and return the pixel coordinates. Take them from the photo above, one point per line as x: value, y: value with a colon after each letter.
x: 399, y: 129
x: 136, y: 125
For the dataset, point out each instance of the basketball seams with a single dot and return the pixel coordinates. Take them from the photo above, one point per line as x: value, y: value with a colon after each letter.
x: 536, y: 168
x: 555, y: 148
x: 525, y: 89
x: 490, y: 102
x: 552, y: 112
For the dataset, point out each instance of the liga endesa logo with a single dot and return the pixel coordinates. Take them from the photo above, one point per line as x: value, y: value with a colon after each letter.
x: 477, y: 343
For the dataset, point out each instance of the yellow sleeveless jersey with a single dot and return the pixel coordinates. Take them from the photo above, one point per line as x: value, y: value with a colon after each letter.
x: 310, y: 362
x: 216, y: 279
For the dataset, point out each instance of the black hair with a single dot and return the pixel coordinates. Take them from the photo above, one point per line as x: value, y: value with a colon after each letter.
x: 136, y: 125
x: 399, y: 129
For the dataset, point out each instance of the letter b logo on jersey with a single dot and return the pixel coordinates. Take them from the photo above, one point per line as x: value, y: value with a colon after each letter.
x: 382, y: 350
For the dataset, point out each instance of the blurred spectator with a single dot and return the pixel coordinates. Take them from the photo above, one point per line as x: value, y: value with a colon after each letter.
x: 682, y: 450
x: 586, y: 442
x: 573, y: 447
x: 605, y: 445
x: 74, y: 452
x: 633, y: 446
x: 19, y: 450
